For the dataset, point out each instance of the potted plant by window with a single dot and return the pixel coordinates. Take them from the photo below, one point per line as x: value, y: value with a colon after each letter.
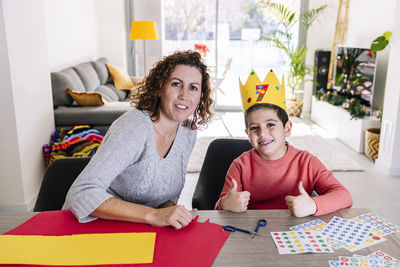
x: 284, y: 39
x: 372, y: 135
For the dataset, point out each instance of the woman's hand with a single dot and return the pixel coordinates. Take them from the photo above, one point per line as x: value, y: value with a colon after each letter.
x: 116, y: 209
x: 175, y: 216
x: 301, y: 205
x: 235, y: 201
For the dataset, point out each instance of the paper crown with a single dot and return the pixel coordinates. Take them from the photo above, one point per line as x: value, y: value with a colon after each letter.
x: 269, y: 91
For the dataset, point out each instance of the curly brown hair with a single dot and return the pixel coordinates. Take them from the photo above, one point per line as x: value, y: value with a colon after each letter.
x: 147, y: 97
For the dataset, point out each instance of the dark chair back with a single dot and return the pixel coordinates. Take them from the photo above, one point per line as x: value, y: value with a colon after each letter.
x: 57, y: 180
x: 220, y: 154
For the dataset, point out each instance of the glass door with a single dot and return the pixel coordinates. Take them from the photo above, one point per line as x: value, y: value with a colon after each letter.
x: 227, y: 33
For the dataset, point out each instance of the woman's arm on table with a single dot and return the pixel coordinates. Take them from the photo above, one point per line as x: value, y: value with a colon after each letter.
x: 116, y: 209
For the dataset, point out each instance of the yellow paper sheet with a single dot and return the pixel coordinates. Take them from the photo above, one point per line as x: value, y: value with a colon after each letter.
x: 85, y: 249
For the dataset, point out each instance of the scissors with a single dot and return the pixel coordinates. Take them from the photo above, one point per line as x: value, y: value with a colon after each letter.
x: 261, y: 223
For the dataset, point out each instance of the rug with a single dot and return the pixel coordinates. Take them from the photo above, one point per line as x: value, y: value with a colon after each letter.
x: 331, y: 152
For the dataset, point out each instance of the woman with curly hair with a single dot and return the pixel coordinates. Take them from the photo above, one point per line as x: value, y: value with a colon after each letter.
x: 138, y: 172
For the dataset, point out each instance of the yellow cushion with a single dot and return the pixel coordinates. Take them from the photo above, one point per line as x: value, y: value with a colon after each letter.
x: 121, y: 79
x: 86, y: 98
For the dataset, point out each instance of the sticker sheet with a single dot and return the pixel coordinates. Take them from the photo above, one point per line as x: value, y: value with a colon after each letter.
x: 384, y: 258
x: 295, y: 242
x: 378, y: 258
x: 384, y: 227
x: 353, y: 261
x: 315, y: 225
x: 341, y: 232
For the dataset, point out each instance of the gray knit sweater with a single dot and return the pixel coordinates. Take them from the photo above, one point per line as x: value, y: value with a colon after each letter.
x: 127, y: 166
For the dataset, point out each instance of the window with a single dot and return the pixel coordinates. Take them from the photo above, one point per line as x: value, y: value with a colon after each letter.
x: 228, y: 29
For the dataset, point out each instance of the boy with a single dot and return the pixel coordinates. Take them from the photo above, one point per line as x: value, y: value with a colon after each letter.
x: 274, y: 174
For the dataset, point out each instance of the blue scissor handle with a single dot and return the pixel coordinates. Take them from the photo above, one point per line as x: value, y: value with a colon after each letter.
x: 261, y: 223
x: 230, y: 228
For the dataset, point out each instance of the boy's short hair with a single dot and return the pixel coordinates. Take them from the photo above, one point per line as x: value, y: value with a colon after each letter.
x: 282, y: 114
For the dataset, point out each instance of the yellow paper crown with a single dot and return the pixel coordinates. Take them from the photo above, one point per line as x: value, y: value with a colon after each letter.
x: 269, y: 91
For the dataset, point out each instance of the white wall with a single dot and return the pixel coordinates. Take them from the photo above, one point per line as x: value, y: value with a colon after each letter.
x: 26, y: 110
x: 71, y: 32
x: 112, y: 34
x: 389, y: 146
x: 319, y: 37
x: 79, y: 31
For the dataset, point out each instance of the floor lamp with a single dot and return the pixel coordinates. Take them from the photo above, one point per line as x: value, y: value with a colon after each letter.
x: 145, y: 30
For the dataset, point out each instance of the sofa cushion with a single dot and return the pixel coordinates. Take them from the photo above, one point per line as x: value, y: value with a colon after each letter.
x: 108, y: 94
x: 101, y: 69
x: 78, y: 85
x: 86, y: 98
x: 67, y: 78
x: 121, y: 79
x: 122, y: 94
x: 88, y: 75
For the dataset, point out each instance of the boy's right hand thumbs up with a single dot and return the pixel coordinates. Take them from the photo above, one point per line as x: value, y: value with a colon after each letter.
x: 234, y: 200
x: 234, y: 186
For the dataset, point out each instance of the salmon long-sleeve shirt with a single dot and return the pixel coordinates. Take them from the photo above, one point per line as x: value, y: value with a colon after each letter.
x: 269, y: 182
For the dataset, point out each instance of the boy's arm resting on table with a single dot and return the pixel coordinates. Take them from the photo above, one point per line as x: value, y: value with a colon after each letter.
x: 332, y: 195
x: 116, y: 209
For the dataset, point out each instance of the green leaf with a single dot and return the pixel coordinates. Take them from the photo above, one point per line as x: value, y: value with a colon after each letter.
x: 379, y: 44
x: 308, y: 17
x: 387, y: 35
x: 291, y: 17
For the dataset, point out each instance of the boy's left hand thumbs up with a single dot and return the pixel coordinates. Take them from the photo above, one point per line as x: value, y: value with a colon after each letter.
x: 301, y: 205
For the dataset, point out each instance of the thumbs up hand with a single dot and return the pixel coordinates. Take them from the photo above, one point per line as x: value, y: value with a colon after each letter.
x: 235, y: 201
x: 301, y: 205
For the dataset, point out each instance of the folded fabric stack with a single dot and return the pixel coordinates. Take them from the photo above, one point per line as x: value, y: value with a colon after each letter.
x: 79, y: 141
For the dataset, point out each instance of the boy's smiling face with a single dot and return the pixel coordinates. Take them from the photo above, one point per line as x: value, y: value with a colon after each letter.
x: 267, y: 134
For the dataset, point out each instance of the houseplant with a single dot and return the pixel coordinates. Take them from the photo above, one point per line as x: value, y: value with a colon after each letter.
x: 285, y: 40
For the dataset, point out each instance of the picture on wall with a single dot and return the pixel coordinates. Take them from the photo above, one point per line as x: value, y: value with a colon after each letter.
x: 354, y: 73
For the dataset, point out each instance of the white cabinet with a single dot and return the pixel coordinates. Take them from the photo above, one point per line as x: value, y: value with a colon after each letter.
x: 338, y: 122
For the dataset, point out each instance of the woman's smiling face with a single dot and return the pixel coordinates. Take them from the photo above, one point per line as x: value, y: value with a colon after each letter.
x: 181, y: 93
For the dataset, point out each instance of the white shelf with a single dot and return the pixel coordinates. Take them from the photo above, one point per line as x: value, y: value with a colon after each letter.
x: 338, y: 122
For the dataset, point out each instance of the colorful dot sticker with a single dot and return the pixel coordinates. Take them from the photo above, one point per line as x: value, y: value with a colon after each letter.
x: 314, y: 225
x: 261, y: 89
x: 378, y: 222
x: 341, y: 232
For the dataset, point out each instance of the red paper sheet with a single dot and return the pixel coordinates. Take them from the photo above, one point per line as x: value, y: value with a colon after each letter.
x: 195, y: 245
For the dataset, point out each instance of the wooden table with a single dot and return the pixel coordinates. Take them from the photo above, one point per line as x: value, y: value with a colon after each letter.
x: 241, y: 250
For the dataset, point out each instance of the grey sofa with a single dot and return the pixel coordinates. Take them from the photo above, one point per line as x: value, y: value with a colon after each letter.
x: 87, y: 76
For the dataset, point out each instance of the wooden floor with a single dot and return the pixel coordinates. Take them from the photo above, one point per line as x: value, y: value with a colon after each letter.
x: 370, y: 188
